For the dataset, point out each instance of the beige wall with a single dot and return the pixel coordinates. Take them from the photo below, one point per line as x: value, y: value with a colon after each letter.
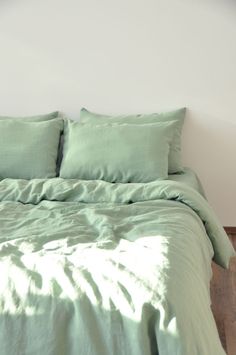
x: 121, y: 56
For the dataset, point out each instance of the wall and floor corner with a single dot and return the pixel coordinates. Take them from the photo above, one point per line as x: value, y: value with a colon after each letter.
x: 131, y: 56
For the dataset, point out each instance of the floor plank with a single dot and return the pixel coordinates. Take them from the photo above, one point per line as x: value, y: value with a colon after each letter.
x: 230, y: 332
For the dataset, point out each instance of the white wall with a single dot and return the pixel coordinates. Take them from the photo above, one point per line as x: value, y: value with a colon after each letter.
x: 123, y: 56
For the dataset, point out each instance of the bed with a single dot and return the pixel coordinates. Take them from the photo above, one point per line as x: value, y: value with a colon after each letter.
x: 92, y: 267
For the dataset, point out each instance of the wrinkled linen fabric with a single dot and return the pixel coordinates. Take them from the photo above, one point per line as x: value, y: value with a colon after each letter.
x: 95, y: 268
x: 190, y: 178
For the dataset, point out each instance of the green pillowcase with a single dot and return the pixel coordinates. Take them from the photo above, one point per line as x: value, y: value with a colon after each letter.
x: 38, y: 118
x: 175, y: 164
x: 29, y: 149
x: 116, y: 153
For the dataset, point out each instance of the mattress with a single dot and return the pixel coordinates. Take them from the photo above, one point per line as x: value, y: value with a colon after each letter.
x: 95, y: 268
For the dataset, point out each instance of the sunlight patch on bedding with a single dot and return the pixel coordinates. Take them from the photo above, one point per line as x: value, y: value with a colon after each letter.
x: 113, y: 279
x: 14, y: 289
x: 52, y: 269
x: 120, y: 274
x: 168, y: 325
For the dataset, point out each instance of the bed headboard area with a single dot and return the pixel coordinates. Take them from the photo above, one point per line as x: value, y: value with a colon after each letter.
x: 128, y: 57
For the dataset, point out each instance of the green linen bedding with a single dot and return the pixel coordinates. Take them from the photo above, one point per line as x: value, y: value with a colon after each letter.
x: 117, y: 153
x: 35, y: 118
x: 95, y: 268
x: 190, y: 178
x: 175, y: 164
x: 28, y: 149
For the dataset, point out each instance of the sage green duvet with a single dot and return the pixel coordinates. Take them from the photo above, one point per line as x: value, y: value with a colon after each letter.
x: 95, y: 268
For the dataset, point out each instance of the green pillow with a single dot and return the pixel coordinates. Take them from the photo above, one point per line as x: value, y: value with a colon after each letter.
x: 29, y: 149
x: 38, y: 118
x: 116, y: 153
x: 175, y: 164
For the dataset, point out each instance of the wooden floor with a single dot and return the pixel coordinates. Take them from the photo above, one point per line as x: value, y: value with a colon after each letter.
x: 223, y: 295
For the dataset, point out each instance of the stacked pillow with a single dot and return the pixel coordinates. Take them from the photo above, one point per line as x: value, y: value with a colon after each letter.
x: 137, y: 148
x: 29, y: 146
x: 174, y: 164
x: 134, y: 148
x: 116, y: 153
